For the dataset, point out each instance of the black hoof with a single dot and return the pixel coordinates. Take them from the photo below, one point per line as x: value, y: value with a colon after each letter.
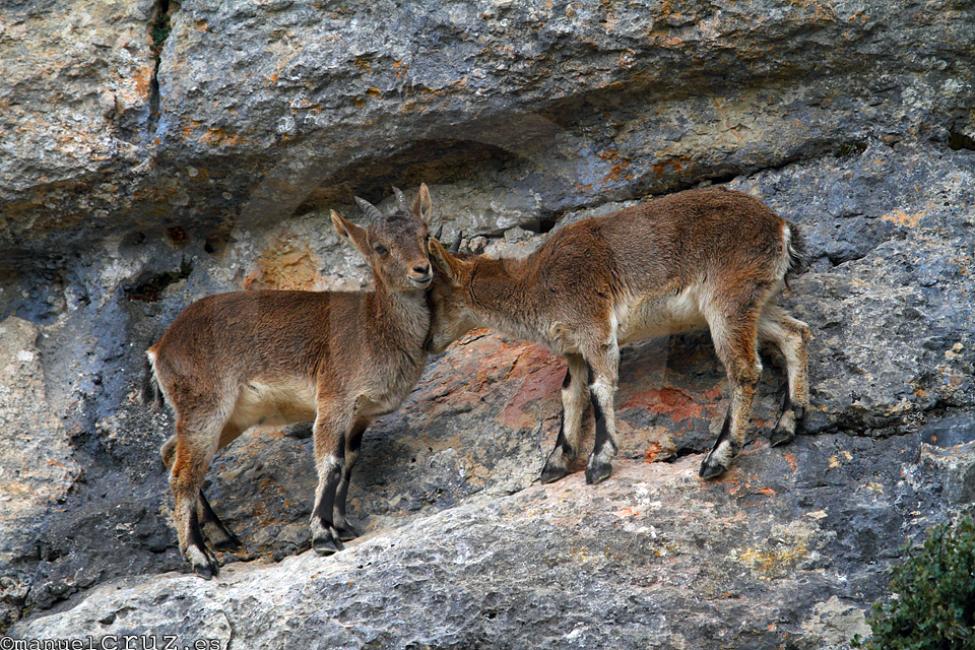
x: 552, y: 473
x: 207, y: 572
x: 597, y: 472
x: 205, y: 567
x: 326, y: 545
x: 711, y: 469
x: 347, y: 532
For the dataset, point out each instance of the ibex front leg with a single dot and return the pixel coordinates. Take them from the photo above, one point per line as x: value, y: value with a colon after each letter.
x: 332, y: 426
x: 575, y: 398
x: 353, y: 441
x: 604, y: 370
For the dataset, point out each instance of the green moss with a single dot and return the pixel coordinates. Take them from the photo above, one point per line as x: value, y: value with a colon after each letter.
x: 852, y: 148
x: 932, y: 601
x: 161, y: 26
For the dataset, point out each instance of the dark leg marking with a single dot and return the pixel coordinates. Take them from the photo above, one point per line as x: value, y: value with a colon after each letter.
x: 557, y: 463
x: 722, y: 453
x: 788, y: 425
x: 196, y: 539
x: 230, y: 541
x: 598, y: 470
x: 346, y: 530
x: 325, y: 542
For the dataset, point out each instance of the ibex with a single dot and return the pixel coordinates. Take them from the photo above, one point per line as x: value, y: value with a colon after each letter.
x: 706, y: 258
x: 235, y: 360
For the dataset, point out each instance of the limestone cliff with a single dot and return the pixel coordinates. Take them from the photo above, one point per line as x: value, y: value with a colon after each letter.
x: 153, y: 152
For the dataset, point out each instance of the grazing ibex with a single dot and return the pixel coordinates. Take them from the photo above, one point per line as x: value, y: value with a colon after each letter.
x: 707, y: 258
x: 235, y: 360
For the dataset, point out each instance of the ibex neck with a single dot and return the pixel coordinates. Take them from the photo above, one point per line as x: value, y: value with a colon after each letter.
x: 501, y: 294
x: 402, y: 317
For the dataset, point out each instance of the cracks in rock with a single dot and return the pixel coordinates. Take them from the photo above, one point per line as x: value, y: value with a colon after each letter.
x: 684, y: 451
x: 958, y: 140
x: 159, y: 30
x: 542, y: 225
x: 149, y: 288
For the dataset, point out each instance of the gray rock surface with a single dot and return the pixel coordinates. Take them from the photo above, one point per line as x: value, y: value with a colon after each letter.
x: 853, y: 120
x: 780, y: 552
x: 259, y: 110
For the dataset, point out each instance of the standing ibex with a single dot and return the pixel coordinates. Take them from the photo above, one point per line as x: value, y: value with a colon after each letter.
x: 235, y: 360
x: 707, y: 258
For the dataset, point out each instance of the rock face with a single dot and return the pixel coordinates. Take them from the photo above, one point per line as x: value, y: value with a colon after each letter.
x: 151, y: 154
x: 653, y: 558
x: 194, y: 113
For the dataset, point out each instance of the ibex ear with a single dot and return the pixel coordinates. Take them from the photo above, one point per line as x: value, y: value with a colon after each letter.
x: 422, y: 205
x: 355, y: 234
x: 453, y: 267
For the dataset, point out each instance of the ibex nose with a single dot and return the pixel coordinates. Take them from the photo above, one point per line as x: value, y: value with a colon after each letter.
x: 421, y: 275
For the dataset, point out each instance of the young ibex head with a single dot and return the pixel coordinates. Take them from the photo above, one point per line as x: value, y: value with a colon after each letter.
x: 450, y: 314
x: 396, y: 245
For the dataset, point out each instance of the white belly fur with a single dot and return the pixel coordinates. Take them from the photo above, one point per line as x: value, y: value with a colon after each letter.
x: 646, y: 318
x: 278, y: 402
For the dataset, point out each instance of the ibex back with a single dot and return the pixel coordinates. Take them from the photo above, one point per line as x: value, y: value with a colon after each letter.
x: 236, y: 360
x: 708, y: 258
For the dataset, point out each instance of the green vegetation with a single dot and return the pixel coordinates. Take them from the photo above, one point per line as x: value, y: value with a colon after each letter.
x: 932, y: 601
x: 160, y: 26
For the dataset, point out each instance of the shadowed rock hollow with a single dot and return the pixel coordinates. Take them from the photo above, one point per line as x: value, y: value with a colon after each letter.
x: 153, y: 153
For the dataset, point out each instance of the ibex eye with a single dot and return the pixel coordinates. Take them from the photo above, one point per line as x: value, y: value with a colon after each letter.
x: 380, y: 249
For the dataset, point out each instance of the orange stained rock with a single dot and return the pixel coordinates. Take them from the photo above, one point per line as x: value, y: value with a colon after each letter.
x: 542, y: 375
x: 219, y: 137
x: 143, y: 79
x: 653, y: 450
x: 791, y: 459
x: 673, y: 402
x: 901, y: 218
x: 284, y: 264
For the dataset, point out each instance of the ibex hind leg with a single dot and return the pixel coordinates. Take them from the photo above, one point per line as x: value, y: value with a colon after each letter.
x: 790, y: 336
x: 191, y: 458
x: 736, y: 343
x: 226, y: 539
x: 575, y: 398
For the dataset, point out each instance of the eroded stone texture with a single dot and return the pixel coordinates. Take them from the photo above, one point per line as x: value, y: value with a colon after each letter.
x: 781, y: 551
x: 850, y: 120
x: 74, y: 101
x: 480, y: 422
x: 265, y: 109
x: 36, y: 465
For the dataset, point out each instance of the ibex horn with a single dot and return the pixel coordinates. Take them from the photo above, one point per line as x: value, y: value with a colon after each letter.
x: 370, y: 210
x: 400, y: 199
